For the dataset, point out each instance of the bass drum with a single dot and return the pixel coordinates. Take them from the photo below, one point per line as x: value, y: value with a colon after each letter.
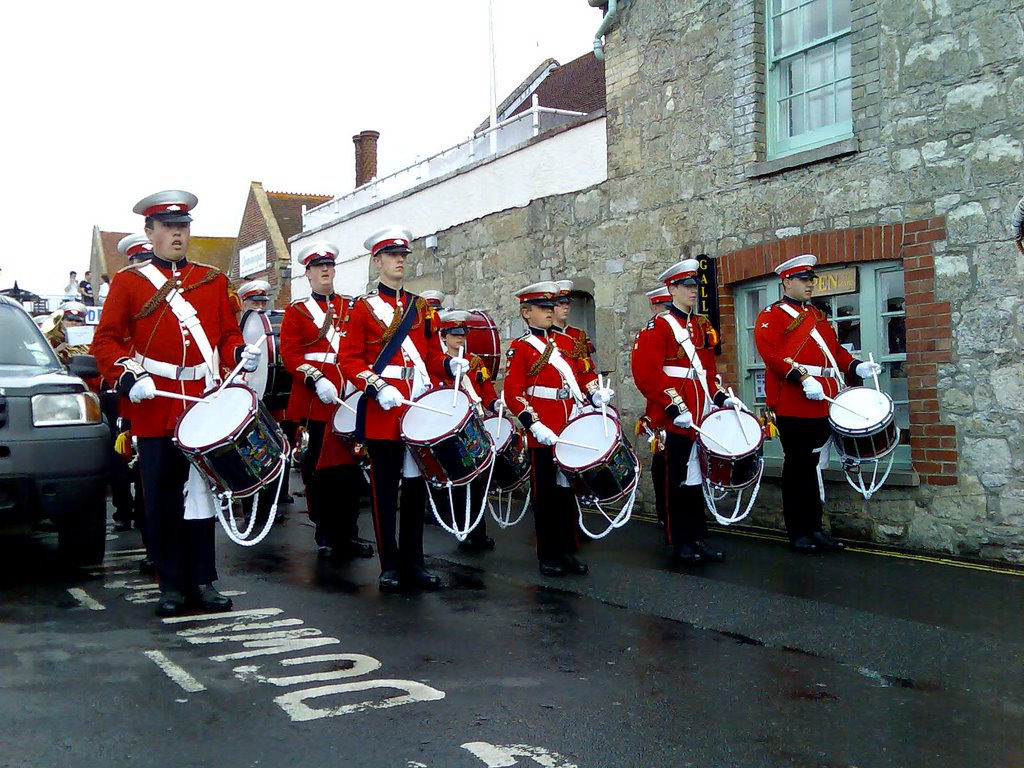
x: 482, y: 339
x: 270, y: 381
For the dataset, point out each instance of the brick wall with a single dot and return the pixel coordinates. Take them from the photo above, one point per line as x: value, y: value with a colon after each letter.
x: 252, y: 230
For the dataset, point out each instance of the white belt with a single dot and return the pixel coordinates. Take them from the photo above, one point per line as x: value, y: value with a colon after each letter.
x: 401, y: 372
x: 320, y: 357
x: 169, y: 371
x: 680, y: 372
x: 816, y: 370
x: 550, y: 393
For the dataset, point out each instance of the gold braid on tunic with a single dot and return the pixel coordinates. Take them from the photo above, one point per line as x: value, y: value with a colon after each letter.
x: 327, y: 324
x: 541, y: 361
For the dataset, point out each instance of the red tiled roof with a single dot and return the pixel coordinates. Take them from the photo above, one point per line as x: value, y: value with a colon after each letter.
x: 216, y: 251
x: 287, y: 208
x: 577, y: 86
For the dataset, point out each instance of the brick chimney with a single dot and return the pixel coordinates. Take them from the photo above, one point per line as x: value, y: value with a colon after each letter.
x: 366, y: 156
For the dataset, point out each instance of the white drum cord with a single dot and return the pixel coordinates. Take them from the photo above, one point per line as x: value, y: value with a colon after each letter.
x: 623, y: 515
x: 711, y: 498
x: 226, y: 516
x: 504, y: 514
x: 471, y: 522
x: 867, y: 491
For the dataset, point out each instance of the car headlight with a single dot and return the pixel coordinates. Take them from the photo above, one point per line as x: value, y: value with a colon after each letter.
x: 65, y: 409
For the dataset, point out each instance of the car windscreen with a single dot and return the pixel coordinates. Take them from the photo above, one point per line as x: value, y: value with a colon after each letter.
x: 21, y: 343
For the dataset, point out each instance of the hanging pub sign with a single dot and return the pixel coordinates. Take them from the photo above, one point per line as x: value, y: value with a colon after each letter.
x: 707, y: 292
x: 834, y: 282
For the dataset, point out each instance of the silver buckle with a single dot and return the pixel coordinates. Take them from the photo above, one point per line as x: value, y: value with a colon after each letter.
x: 178, y: 371
x: 564, y: 393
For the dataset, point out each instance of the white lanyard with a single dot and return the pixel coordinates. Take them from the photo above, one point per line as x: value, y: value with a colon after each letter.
x: 683, y: 339
x: 560, y: 363
x: 319, y: 316
x: 386, y: 313
x: 814, y: 335
x: 188, y: 317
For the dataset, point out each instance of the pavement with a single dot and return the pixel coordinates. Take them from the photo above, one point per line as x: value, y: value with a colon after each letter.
x: 864, y: 658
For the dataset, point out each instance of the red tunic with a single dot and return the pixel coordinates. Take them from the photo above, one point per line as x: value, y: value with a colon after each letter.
x: 778, y: 336
x: 364, y: 340
x: 523, y: 369
x: 655, y: 349
x: 481, y: 380
x: 301, y: 336
x: 156, y: 333
x: 583, y: 348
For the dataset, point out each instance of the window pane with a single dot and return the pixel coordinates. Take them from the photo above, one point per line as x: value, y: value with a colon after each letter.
x: 824, y: 303
x: 890, y: 291
x: 786, y: 32
x: 897, y: 389
x: 820, y: 108
x: 844, y: 104
x: 896, y: 335
x: 819, y: 66
x: 840, y: 15
x: 753, y: 358
x: 791, y: 117
x: 842, y: 58
x: 815, y: 20
x: 792, y: 80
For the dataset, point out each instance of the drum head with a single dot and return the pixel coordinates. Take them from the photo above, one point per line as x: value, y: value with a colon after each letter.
x: 730, y: 433
x: 214, y: 419
x: 874, y: 406
x: 586, y: 430
x: 423, y: 426
x: 501, y: 430
x: 344, y: 420
x: 254, y: 325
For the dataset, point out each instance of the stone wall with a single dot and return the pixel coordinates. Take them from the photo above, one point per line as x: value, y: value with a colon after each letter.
x: 938, y: 115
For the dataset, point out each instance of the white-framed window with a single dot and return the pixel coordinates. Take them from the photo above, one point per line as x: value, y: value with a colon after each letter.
x: 870, y: 318
x: 809, y: 90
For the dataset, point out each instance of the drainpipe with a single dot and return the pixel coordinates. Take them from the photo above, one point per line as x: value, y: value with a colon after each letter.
x: 606, y: 25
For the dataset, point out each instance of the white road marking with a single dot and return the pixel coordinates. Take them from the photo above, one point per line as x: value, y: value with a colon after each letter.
x: 188, y: 683
x: 504, y: 756
x: 223, y: 616
x: 82, y: 597
x: 294, y: 703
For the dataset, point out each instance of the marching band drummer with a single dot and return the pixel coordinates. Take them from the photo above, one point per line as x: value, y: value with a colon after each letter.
x: 392, y: 353
x: 582, y: 347
x: 255, y: 295
x: 659, y: 298
x: 434, y: 298
x: 673, y: 366
x: 310, y: 339
x: 479, y: 387
x: 804, y: 363
x: 166, y: 326
x: 543, y: 387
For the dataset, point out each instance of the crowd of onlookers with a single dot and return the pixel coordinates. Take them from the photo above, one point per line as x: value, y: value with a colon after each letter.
x: 83, y: 290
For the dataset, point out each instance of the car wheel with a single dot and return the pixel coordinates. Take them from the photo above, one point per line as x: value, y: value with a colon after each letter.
x: 82, y: 538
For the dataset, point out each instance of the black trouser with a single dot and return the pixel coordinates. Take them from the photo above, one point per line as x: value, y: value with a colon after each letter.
x: 801, y: 499
x: 658, y: 478
x: 554, y: 508
x: 181, y: 549
x: 685, y: 521
x: 127, y: 508
x: 332, y: 494
x: 476, y: 498
x: 386, y: 458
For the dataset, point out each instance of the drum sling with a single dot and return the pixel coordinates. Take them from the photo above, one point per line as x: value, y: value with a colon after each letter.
x: 393, y: 345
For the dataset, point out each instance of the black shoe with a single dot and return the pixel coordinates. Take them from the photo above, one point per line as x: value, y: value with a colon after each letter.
x: 552, y: 568
x: 147, y: 567
x: 171, y: 603
x: 575, y: 566
x: 120, y: 526
x: 388, y: 581
x: 210, y: 599
x: 477, y: 544
x: 421, y: 578
x: 323, y: 552
x: 706, y: 553
x: 805, y: 545
x: 687, y: 554
x: 286, y: 499
x: 360, y: 548
x: 824, y: 541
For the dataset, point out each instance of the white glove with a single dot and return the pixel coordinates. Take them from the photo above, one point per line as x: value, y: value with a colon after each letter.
x: 602, y: 396
x: 734, y: 402
x: 684, y: 420
x: 867, y: 370
x: 143, y: 389
x: 458, y: 364
x: 389, y: 397
x: 326, y: 391
x: 250, y: 357
x: 544, y: 434
x: 813, y: 389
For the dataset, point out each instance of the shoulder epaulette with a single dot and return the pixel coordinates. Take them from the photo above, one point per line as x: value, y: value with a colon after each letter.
x: 133, y: 267
x: 207, y: 266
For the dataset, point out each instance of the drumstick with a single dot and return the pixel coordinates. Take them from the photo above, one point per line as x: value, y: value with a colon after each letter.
x: 706, y: 436
x: 260, y: 340
x: 458, y: 375
x: 343, y: 404
x: 578, y: 445
x: 871, y: 358
x: 414, y: 404
x: 849, y: 410
x: 604, y: 409
x: 739, y: 418
x: 176, y: 396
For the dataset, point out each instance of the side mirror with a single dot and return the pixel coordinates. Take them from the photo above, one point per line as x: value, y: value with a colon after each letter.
x: 83, y: 366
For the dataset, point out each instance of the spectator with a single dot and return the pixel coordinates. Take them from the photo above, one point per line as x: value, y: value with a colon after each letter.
x: 71, y: 289
x: 85, y: 289
x: 104, y: 289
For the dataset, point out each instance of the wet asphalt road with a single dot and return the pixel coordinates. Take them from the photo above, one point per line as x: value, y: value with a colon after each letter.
x: 771, y: 659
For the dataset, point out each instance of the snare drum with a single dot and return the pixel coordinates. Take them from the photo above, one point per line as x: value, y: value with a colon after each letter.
x: 482, y: 339
x: 511, y: 459
x: 730, y: 449
x: 867, y: 437
x: 270, y: 381
x: 607, y: 472
x: 451, y: 448
x: 232, y: 439
x: 343, y: 424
